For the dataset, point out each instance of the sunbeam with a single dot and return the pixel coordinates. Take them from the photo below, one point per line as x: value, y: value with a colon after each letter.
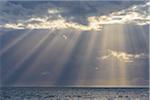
x: 74, y: 43
x: 15, y: 42
x: 18, y: 68
x: 48, y: 65
x: 90, y: 43
x: 114, y: 39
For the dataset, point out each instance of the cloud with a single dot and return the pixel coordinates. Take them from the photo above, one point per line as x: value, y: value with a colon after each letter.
x: 12, y: 12
x: 122, y: 56
x: 64, y: 37
x: 13, y: 26
x: 45, y: 16
x: 48, y: 16
x: 44, y: 23
x: 138, y: 15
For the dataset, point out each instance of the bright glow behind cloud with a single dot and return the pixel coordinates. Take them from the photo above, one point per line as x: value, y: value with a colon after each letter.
x: 43, y: 23
x: 133, y: 15
x: 137, y: 14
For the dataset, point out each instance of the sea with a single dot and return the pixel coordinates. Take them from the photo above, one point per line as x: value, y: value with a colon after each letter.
x: 73, y: 93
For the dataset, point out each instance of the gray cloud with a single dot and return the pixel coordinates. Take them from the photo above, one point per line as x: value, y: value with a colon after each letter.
x: 50, y: 15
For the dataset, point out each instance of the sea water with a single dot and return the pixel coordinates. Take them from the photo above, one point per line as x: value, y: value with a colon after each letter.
x: 63, y: 93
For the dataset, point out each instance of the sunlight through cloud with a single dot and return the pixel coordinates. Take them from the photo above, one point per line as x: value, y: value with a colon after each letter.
x: 53, y: 20
x: 122, y: 56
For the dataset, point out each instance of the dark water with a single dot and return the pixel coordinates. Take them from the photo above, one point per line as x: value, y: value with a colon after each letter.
x: 43, y: 93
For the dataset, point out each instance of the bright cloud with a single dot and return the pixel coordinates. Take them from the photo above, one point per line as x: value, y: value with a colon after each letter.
x: 54, y: 11
x: 122, y: 56
x: 133, y: 15
x: 52, y: 19
x: 44, y: 23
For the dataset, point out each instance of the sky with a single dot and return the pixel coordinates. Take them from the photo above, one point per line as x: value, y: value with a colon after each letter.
x: 74, y: 43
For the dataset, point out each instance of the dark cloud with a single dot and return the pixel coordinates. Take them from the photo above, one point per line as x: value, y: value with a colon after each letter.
x: 14, y: 10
